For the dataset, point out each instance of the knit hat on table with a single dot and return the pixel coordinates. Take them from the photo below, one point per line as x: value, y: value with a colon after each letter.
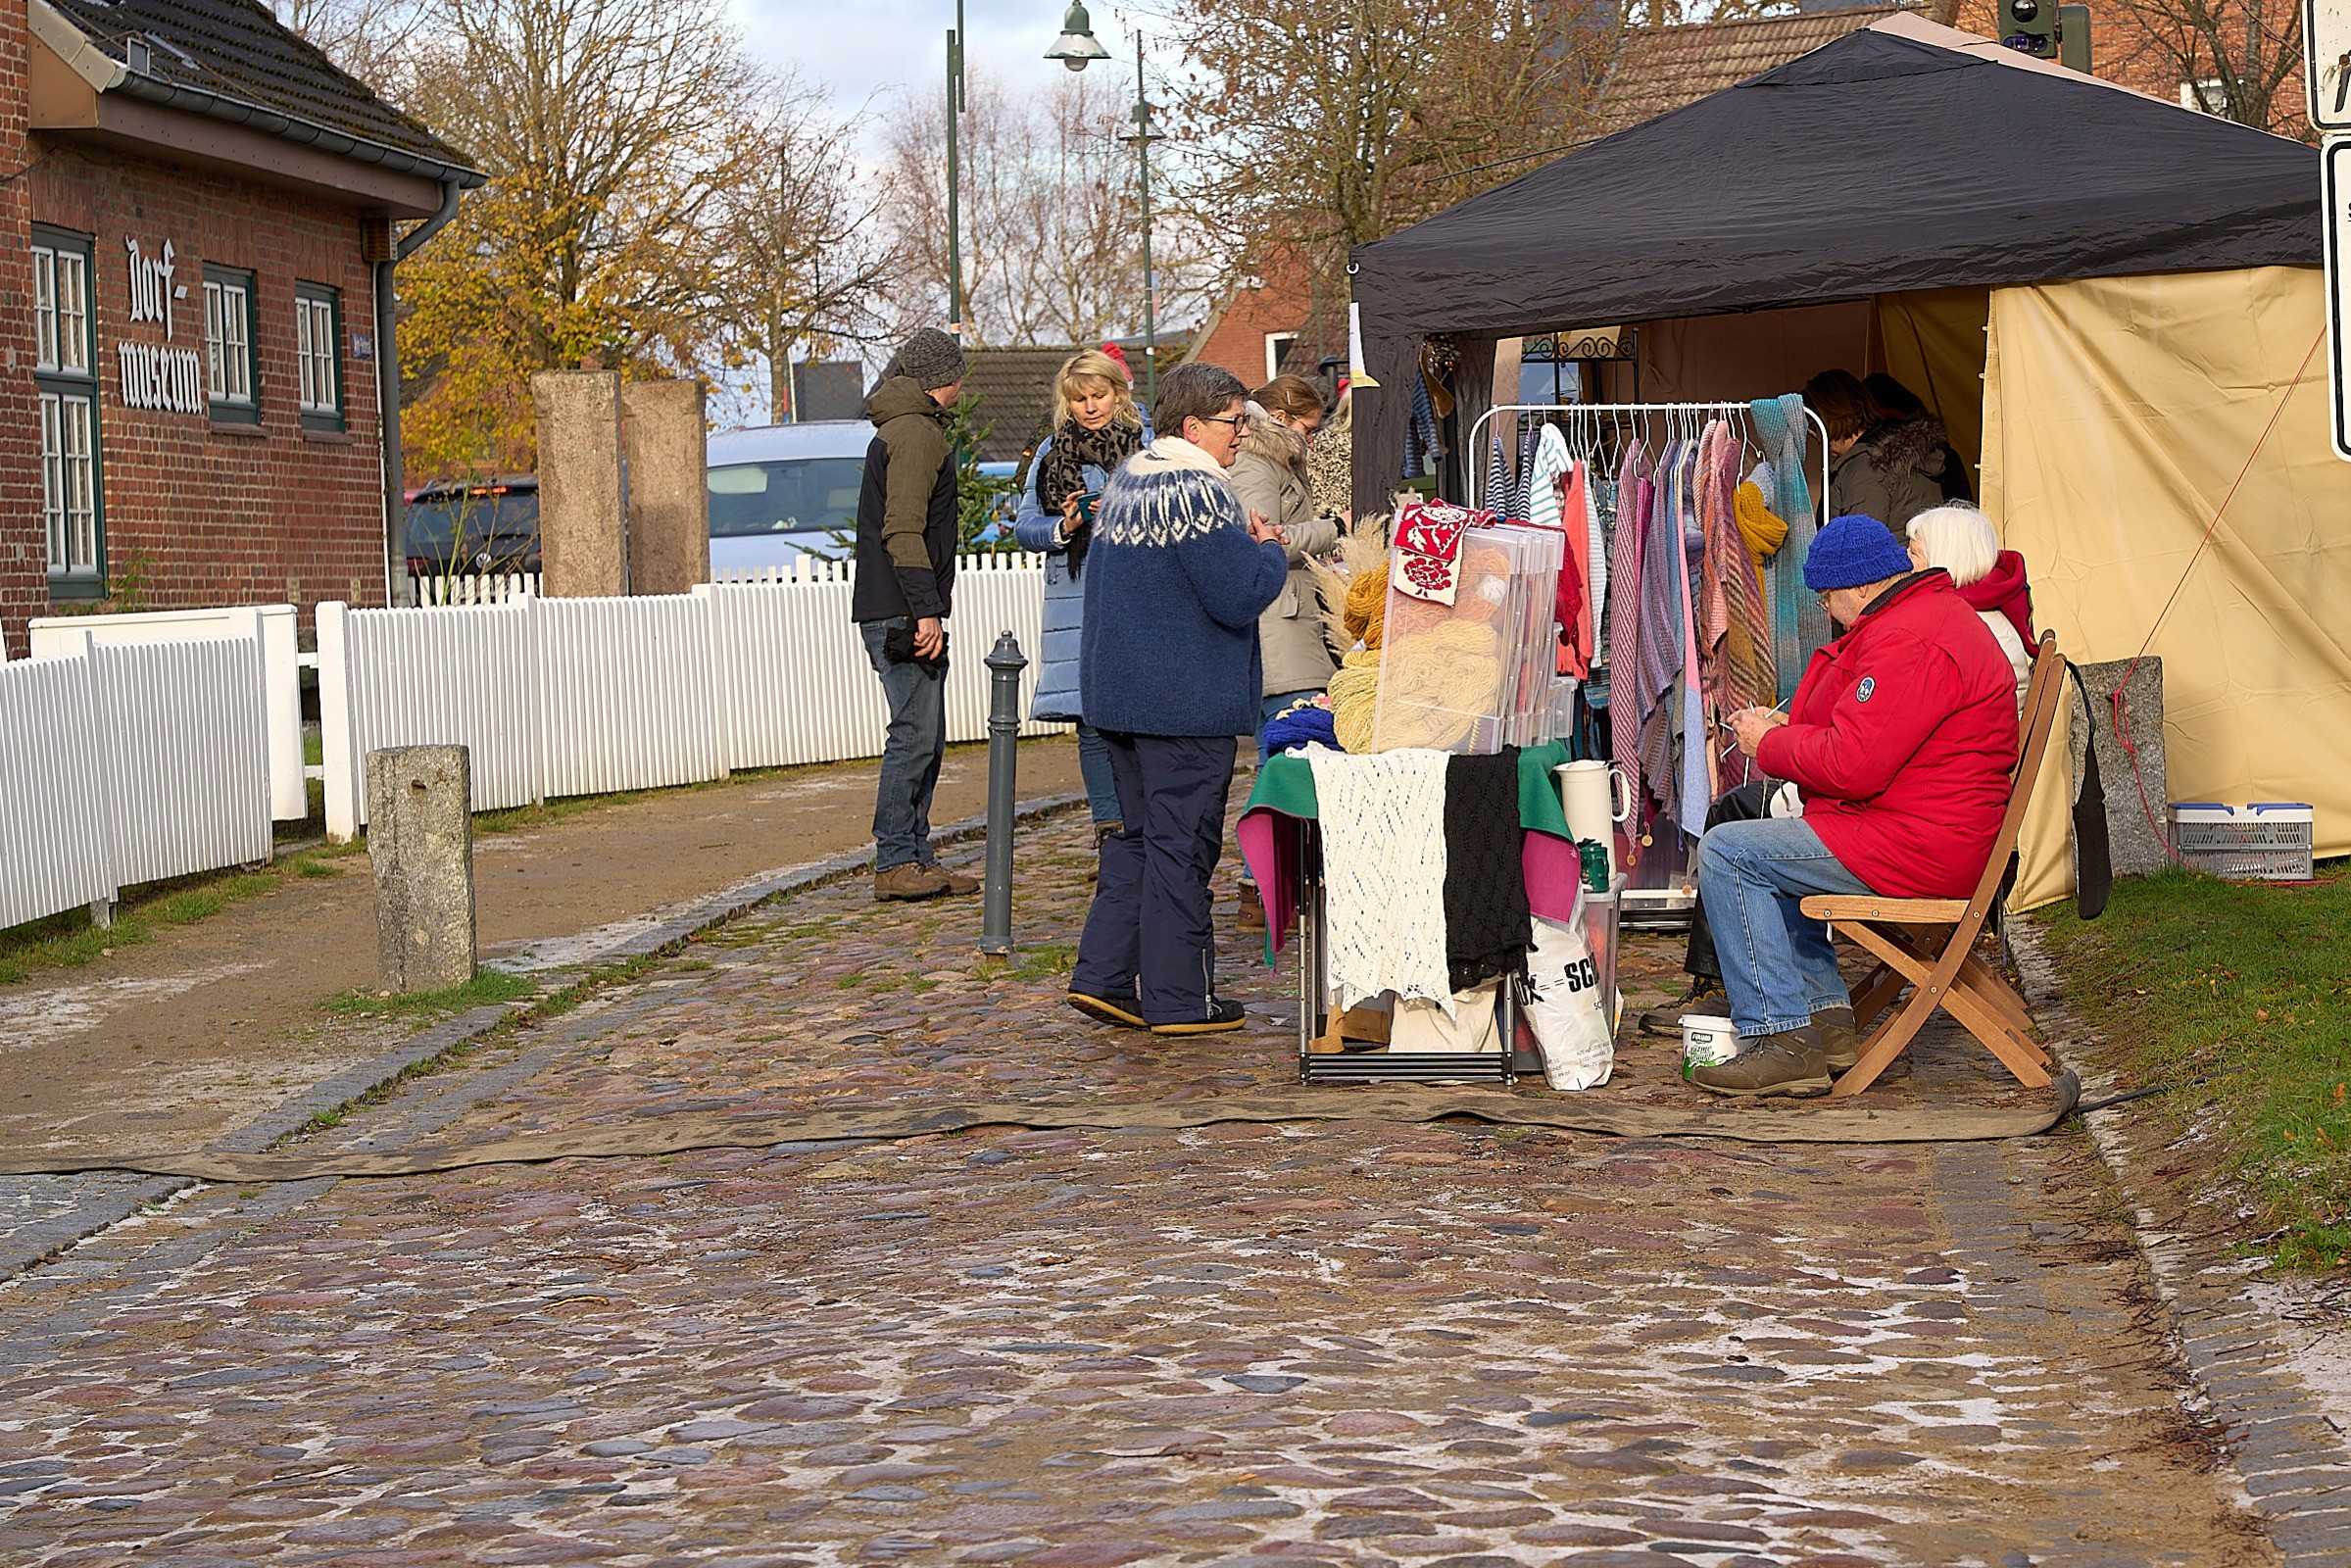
x: 932, y: 358
x: 1853, y: 551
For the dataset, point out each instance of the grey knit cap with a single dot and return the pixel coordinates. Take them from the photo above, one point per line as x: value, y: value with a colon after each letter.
x: 932, y: 358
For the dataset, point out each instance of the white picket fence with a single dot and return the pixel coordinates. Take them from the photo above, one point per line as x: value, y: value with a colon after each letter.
x: 559, y: 696
x: 129, y: 762
x: 492, y: 589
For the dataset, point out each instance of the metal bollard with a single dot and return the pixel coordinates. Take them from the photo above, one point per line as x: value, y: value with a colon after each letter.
x: 1004, y: 662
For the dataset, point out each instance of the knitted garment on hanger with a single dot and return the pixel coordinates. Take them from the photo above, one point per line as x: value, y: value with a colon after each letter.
x: 1383, y: 865
x: 1664, y: 607
x: 1625, y: 705
x: 1420, y: 433
x: 1522, y: 496
x: 1595, y: 560
x: 1739, y: 659
x: 1573, y: 601
x: 1698, y: 756
x: 1497, y: 480
x: 1488, y: 924
x: 1550, y: 463
x: 1798, y: 623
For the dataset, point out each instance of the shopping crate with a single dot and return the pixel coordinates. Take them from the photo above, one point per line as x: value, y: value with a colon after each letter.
x: 2265, y: 842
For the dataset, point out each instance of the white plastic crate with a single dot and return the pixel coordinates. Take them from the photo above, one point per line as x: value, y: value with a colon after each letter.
x: 2265, y: 842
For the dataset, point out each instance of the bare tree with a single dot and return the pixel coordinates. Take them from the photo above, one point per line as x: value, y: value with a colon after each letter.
x: 1321, y: 124
x: 803, y: 261
x: 1051, y: 244
x: 368, y: 39
x: 2239, y: 58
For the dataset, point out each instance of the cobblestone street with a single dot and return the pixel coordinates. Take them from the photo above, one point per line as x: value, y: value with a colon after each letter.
x: 1348, y: 1343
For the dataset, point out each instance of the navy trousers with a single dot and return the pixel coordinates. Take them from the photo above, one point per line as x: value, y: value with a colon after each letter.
x: 1150, y: 915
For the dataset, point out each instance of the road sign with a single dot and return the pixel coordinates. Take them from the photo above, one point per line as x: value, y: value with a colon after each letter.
x: 2335, y: 162
x: 2326, y: 62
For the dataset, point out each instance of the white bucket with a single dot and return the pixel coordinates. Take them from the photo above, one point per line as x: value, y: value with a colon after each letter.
x: 1706, y: 1042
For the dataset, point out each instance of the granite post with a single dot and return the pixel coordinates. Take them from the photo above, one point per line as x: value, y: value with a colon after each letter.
x: 667, y: 444
x: 2137, y: 845
x: 420, y: 843
x: 583, y: 506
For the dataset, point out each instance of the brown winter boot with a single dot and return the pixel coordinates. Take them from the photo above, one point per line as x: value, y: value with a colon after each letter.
x: 957, y: 884
x: 908, y: 881
x: 1840, y: 1044
x: 1252, y: 910
x: 1788, y: 1063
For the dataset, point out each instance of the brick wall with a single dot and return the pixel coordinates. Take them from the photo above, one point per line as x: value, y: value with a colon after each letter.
x: 201, y: 513
x: 24, y: 554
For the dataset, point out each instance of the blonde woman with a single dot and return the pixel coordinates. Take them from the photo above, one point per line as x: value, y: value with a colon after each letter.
x: 1097, y: 427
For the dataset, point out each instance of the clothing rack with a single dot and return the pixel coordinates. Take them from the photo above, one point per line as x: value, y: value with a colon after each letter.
x: 1589, y: 429
x: 1657, y: 422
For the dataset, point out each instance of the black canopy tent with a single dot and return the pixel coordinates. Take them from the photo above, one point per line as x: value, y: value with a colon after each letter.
x: 1880, y: 164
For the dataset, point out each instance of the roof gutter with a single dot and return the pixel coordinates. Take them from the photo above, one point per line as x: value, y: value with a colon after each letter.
x: 387, y: 392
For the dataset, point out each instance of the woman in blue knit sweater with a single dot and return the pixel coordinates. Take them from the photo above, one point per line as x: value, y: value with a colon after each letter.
x: 1169, y: 672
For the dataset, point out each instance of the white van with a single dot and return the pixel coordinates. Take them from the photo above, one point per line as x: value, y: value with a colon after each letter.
x: 782, y: 491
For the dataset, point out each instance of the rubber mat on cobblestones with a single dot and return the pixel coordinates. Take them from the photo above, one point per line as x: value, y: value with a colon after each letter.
x: 1753, y: 1122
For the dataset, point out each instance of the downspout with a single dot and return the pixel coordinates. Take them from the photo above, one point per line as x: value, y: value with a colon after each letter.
x: 387, y: 392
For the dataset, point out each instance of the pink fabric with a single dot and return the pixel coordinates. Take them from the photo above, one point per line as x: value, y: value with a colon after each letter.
x: 1574, y: 517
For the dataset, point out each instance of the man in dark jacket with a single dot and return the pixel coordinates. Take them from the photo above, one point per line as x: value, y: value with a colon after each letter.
x: 906, y: 578
x: 1901, y: 737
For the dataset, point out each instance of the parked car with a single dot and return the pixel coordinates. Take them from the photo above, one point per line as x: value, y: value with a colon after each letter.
x: 782, y: 491
x: 462, y: 527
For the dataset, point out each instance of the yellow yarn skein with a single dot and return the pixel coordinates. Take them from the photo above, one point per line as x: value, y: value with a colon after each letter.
x: 1354, y: 693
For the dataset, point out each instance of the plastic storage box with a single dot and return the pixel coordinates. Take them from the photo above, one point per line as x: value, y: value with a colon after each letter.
x: 1476, y: 674
x: 2265, y: 842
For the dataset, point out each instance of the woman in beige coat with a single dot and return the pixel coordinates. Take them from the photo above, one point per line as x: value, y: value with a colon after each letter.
x: 1272, y: 477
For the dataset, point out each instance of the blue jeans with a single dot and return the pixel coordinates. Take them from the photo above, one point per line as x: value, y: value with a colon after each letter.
x: 1094, y: 766
x: 911, y: 751
x: 1778, y: 967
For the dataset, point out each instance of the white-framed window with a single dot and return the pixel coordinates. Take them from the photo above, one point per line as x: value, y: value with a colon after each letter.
x: 1276, y: 349
x: 317, y: 355
x: 231, y: 378
x: 2205, y: 93
x: 65, y: 357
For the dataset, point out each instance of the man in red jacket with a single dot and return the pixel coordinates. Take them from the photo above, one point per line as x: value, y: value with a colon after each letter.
x: 1901, y: 739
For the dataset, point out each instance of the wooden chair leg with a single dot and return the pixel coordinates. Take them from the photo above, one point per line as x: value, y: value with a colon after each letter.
x: 1988, y: 986
x: 2016, y: 1053
x: 1880, y: 1050
x: 1875, y: 994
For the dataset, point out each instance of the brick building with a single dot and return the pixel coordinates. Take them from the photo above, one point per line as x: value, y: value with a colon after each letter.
x: 1268, y: 324
x: 196, y: 221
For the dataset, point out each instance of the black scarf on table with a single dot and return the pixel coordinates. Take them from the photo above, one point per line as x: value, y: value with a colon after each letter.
x: 1063, y: 473
x: 1488, y: 924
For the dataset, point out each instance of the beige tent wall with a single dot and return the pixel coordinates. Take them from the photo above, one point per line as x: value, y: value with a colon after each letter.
x: 1932, y: 342
x: 2117, y: 414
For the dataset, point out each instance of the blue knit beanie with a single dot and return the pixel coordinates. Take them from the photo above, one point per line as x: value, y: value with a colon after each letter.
x: 1853, y: 551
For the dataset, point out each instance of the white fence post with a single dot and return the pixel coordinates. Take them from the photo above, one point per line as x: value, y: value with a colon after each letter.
x: 338, y: 759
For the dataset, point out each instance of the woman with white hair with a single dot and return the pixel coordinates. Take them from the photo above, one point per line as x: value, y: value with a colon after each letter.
x: 1960, y: 539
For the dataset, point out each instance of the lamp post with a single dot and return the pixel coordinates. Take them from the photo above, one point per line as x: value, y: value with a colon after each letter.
x: 954, y: 111
x: 1077, y: 48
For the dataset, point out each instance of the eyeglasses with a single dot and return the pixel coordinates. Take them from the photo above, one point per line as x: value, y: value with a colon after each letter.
x: 1233, y: 420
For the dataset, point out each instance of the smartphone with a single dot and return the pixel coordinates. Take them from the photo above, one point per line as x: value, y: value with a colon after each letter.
x: 1087, y: 503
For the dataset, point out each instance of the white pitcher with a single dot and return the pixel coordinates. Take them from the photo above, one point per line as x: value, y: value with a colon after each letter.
x: 1596, y: 796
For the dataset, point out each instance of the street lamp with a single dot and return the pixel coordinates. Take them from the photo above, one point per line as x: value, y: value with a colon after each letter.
x: 955, y: 110
x: 1077, y: 48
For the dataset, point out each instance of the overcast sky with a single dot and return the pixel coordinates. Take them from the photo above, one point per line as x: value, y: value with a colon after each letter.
x: 855, y: 49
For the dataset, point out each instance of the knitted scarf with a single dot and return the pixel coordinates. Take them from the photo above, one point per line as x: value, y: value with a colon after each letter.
x: 1798, y: 624
x: 1062, y: 474
x: 1486, y: 921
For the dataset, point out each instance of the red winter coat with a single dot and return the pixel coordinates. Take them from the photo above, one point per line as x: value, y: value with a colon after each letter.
x: 1901, y: 737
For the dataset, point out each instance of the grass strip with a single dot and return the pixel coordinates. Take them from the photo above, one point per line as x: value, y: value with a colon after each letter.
x: 2248, y: 986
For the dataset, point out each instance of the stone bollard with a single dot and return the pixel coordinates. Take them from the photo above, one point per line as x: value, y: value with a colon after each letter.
x: 421, y: 842
x: 1004, y: 663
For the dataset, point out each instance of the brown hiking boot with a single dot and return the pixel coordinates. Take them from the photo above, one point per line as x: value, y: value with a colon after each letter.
x: 1840, y: 1044
x: 908, y: 881
x: 957, y: 884
x: 1252, y: 908
x: 1788, y: 1063
x: 1704, y: 996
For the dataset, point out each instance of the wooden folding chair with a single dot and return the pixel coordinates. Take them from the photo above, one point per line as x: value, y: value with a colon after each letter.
x: 1928, y: 945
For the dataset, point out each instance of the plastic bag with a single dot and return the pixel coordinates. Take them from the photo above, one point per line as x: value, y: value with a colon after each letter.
x: 1565, y: 1010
